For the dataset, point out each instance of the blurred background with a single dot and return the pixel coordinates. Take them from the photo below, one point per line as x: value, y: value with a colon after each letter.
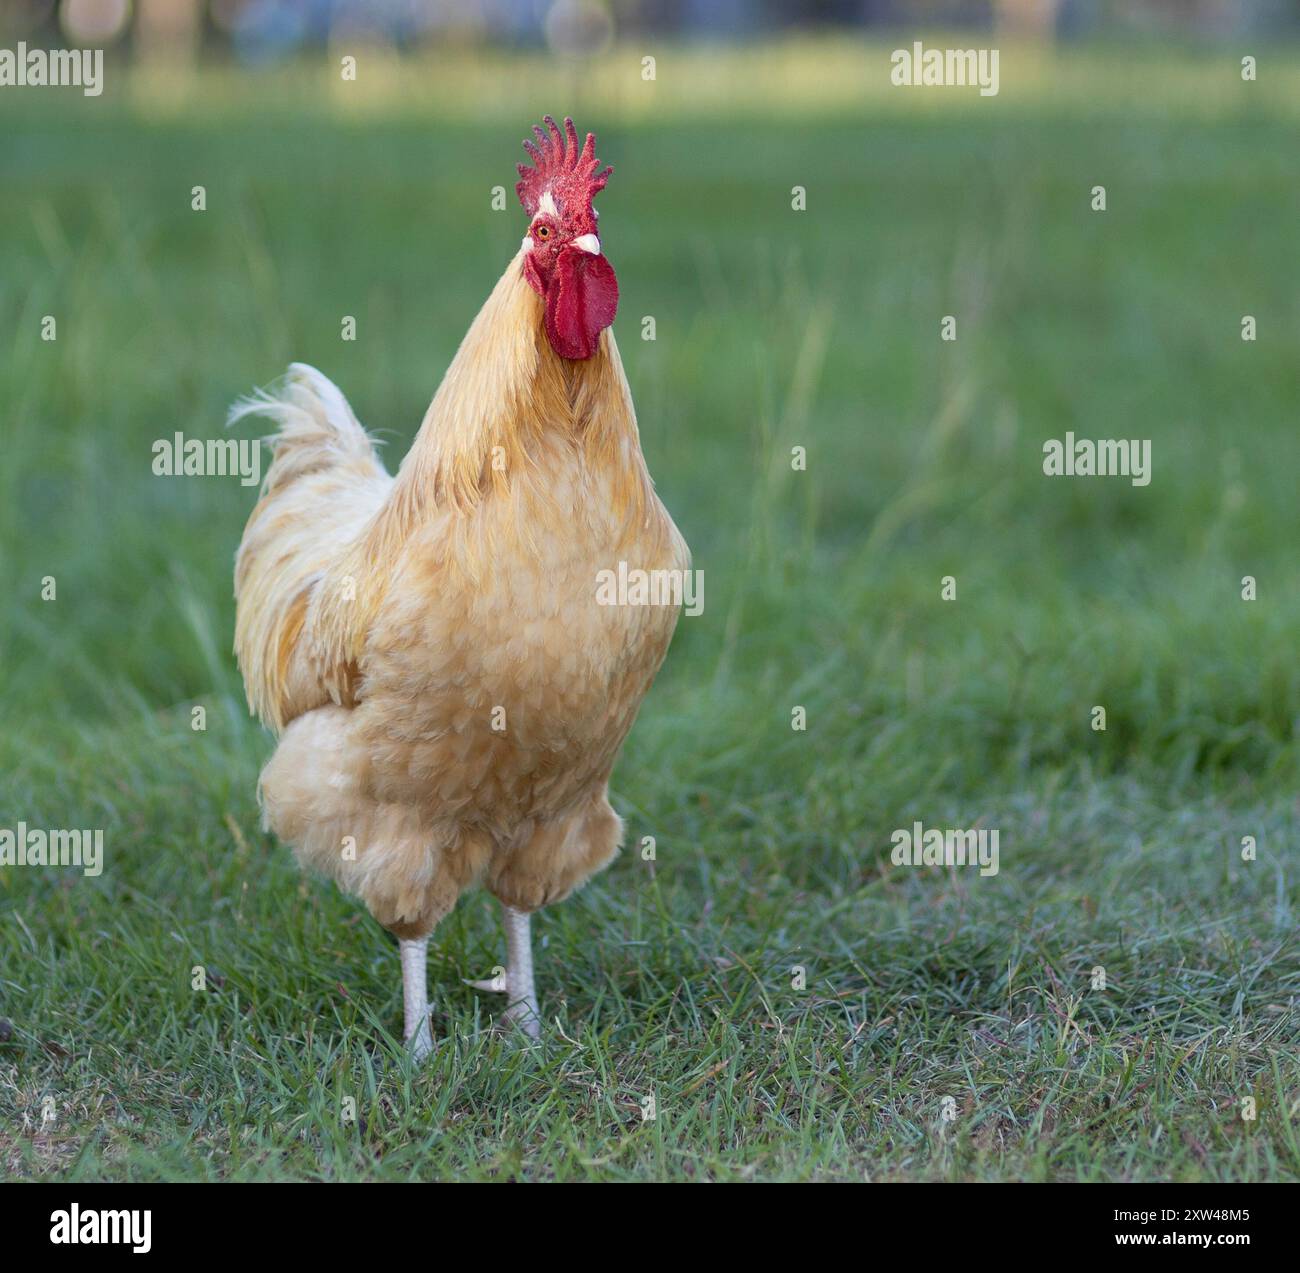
x: 258, y: 30
x: 775, y: 328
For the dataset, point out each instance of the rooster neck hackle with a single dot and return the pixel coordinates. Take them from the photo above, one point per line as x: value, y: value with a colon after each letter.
x: 509, y: 418
x: 509, y: 404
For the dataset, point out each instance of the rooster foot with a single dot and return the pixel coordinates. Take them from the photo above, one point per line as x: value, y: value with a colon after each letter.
x: 522, y: 1008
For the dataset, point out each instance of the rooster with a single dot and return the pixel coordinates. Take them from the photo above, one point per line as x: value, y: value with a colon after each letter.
x: 449, y: 696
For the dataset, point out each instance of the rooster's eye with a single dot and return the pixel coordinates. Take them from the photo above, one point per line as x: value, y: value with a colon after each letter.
x: 543, y: 231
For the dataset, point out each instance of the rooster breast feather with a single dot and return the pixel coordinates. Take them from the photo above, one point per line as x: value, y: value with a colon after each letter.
x: 324, y: 486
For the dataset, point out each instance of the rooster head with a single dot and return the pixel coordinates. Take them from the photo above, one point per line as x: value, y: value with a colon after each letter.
x: 563, y: 262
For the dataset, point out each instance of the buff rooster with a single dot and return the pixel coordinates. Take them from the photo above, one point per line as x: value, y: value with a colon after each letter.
x: 449, y: 693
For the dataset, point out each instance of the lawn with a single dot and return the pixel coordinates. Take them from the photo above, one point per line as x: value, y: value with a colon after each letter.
x: 945, y: 1025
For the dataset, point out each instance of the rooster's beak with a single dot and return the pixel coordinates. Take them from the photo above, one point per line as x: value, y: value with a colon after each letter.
x: 587, y: 243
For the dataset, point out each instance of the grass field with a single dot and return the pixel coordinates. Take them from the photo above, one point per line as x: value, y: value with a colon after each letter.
x: 1120, y: 849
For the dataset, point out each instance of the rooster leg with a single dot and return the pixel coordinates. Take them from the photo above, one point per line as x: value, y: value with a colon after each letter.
x: 522, y: 1009
x: 517, y: 984
x: 415, y: 996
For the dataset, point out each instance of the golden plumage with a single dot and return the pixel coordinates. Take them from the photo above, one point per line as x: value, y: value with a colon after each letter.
x: 450, y: 697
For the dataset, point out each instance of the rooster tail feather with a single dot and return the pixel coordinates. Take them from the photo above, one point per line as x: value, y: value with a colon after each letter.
x: 323, y: 486
x: 315, y: 426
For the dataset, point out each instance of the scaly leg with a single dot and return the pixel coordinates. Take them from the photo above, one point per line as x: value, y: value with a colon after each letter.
x: 522, y: 1008
x: 415, y: 996
x: 517, y: 983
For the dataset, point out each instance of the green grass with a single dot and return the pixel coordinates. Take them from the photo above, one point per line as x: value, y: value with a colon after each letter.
x: 775, y: 329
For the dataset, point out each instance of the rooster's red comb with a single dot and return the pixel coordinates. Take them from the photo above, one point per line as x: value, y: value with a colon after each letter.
x: 569, y: 174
